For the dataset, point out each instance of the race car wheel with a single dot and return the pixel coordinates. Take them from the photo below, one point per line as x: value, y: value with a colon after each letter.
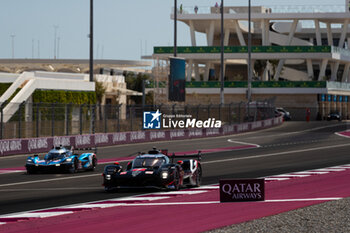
x: 176, y: 180
x: 94, y: 163
x: 74, y: 168
x: 198, y: 176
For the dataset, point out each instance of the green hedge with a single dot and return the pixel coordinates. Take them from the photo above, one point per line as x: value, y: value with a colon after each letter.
x: 46, y: 97
x: 52, y: 96
x: 4, y: 87
x: 64, y: 97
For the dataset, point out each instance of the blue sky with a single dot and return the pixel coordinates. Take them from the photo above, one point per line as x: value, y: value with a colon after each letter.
x: 123, y: 29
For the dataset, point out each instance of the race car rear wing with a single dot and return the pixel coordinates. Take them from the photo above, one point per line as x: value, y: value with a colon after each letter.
x: 198, y: 156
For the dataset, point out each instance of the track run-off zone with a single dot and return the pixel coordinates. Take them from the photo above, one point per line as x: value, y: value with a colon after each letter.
x: 283, y: 192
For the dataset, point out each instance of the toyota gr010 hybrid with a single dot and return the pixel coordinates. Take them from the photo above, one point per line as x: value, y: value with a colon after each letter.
x: 154, y: 169
x: 62, y: 159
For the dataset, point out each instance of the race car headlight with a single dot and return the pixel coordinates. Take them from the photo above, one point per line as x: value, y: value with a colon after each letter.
x: 164, y: 175
x: 29, y: 161
x: 108, y: 177
x: 69, y: 160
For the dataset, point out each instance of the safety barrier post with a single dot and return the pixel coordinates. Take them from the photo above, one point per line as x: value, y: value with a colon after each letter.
x: 93, y: 116
x: 2, y: 119
x: 198, y: 106
x: 105, y: 115
x: 209, y: 106
x: 229, y: 113
x: 20, y: 119
x: 173, y: 109
x: 52, y: 119
x: 118, y: 117
x: 67, y: 118
x: 81, y: 119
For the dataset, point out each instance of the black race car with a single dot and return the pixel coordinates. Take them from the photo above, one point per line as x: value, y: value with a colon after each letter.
x: 334, y: 116
x: 154, y: 169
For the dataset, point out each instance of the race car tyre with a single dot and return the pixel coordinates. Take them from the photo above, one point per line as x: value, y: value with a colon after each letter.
x: 198, y: 176
x: 94, y: 163
x: 74, y: 168
x: 176, y: 180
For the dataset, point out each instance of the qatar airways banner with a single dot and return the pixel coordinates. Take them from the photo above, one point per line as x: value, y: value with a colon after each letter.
x: 241, y: 190
x: 44, y: 144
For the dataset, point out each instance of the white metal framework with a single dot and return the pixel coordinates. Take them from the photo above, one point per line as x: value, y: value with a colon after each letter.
x: 269, y: 28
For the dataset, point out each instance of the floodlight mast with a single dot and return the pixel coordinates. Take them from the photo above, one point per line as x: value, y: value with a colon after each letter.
x: 91, y: 36
x: 175, y: 28
x: 222, y: 98
x: 249, y: 90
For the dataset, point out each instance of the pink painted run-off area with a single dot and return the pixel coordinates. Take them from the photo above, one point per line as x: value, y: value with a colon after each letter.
x: 344, y: 133
x: 121, y: 159
x: 190, y: 213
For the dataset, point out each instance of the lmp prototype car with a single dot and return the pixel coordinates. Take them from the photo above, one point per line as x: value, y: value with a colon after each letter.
x: 154, y: 169
x: 62, y: 159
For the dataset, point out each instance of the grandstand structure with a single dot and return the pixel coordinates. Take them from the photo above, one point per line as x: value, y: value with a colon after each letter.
x: 300, y: 54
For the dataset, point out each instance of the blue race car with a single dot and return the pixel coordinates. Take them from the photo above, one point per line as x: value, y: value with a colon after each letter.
x: 62, y: 159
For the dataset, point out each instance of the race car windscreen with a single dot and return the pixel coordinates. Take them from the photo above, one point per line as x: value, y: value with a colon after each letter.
x: 148, y: 162
x: 54, y: 156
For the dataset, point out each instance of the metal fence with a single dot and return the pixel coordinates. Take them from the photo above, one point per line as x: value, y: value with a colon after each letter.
x: 42, y: 119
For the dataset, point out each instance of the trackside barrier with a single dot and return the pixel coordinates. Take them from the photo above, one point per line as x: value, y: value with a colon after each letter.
x: 43, y: 144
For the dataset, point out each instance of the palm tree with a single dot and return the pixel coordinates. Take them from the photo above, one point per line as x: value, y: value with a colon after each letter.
x: 259, y: 68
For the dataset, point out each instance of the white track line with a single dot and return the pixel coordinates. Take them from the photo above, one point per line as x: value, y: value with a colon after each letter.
x: 207, y: 187
x: 278, y: 153
x: 331, y: 170
x: 178, y: 192
x: 38, y: 215
x: 288, y: 133
x: 134, y: 199
x: 277, y: 179
x: 243, y: 143
x: 49, y: 180
x: 10, y: 171
x: 290, y: 175
x: 218, y: 202
x: 307, y: 199
x: 311, y: 173
x: 92, y: 206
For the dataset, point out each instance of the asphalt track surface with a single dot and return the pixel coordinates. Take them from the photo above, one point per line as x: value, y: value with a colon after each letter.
x: 291, y: 147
